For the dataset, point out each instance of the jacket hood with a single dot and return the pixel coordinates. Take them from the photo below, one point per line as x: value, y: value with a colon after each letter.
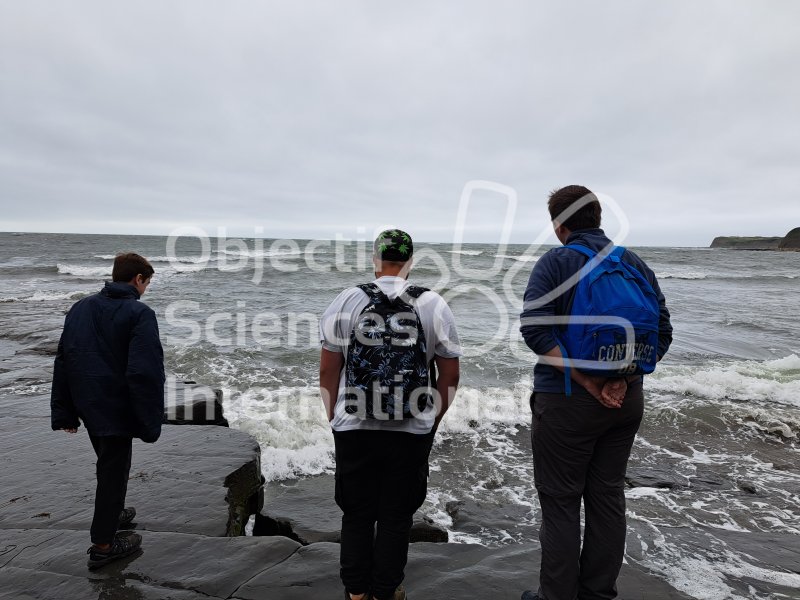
x: 595, y: 239
x: 116, y: 289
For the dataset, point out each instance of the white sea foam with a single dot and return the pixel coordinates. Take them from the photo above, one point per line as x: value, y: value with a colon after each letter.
x: 787, y: 363
x: 642, y: 492
x: 27, y: 388
x: 181, y: 259
x: 289, y: 424
x: 104, y: 272
x: 466, y: 252
x: 699, y: 275
x: 520, y: 257
x: 703, y: 576
x: 84, y: 271
x: 476, y: 409
x: 164, y: 259
x: 278, y: 253
x: 682, y: 275
x: 40, y: 296
x: 766, y: 381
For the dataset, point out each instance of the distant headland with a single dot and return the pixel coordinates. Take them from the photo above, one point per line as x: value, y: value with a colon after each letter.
x: 791, y: 241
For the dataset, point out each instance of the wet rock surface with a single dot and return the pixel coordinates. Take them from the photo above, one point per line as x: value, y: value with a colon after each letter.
x: 304, y: 510
x: 193, y: 490
x: 50, y: 565
x: 654, y: 477
x: 434, y: 570
x: 474, y: 517
x: 198, y: 566
x: 193, y: 480
x: 190, y: 403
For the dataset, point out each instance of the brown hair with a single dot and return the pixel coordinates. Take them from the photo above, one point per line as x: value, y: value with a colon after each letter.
x: 129, y: 265
x: 587, y: 216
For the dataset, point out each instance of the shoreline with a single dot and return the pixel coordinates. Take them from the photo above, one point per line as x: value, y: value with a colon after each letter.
x: 193, y: 489
x: 185, y: 517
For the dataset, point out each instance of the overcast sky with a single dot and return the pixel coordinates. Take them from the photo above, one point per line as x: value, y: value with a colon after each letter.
x: 311, y: 119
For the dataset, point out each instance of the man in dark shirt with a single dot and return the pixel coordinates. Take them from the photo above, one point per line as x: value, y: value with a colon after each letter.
x: 581, y: 440
x: 109, y: 374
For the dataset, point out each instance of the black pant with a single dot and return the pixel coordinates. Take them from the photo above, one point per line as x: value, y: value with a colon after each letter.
x: 580, y: 451
x: 113, y: 470
x: 381, y: 477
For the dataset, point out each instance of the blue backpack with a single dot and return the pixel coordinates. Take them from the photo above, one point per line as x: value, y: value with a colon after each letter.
x: 612, y: 329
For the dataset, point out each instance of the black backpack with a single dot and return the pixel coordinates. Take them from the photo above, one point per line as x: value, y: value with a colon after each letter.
x: 386, y: 368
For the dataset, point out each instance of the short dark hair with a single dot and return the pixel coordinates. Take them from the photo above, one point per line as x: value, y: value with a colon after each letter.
x: 128, y: 265
x: 585, y: 217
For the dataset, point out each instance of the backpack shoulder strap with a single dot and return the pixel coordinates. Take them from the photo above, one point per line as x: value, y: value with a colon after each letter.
x: 375, y: 294
x: 617, y: 252
x: 415, y: 291
x: 587, y: 252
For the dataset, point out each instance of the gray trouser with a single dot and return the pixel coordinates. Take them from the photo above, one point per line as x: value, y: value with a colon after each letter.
x: 580, y: 452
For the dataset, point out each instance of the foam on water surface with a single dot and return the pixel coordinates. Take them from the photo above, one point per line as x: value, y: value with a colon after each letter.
x: 721, y: 424
x: 771, y: 381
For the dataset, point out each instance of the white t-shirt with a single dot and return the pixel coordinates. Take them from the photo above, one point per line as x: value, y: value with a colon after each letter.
x: 337, y: 323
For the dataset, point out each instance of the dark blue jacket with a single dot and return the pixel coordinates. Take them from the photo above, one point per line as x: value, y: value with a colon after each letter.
x: 109, y: 369
x: 553, y: 269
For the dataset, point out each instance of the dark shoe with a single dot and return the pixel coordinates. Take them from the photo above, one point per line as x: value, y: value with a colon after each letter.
x: 127, y: 516
x: 529, y: 595
x: 124, y: 545
x: 399, y: 594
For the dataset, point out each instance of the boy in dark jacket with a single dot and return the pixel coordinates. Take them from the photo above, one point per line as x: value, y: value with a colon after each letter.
x: 109, y: 374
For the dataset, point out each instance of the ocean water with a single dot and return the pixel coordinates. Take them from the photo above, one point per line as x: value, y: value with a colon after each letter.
x: 716, y: 458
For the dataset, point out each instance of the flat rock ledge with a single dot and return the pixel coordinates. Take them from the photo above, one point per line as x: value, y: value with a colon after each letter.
x: 194, y: 490
x: 304, y: 510
x: 195, y: 479
x: 39, y: 564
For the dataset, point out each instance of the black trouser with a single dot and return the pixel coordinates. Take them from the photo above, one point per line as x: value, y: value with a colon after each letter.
x: 113, y: 470
x: 580, y: 451
x: 381, y: 477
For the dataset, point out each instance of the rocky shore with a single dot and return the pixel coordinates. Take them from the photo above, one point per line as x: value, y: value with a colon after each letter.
x: 194, y: 491
x: 199, y: 485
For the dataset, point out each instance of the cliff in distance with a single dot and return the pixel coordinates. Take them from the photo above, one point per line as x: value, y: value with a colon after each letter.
x: 791, y: 241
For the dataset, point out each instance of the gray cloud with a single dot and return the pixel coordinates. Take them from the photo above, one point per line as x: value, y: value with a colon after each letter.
x: 310, y: 119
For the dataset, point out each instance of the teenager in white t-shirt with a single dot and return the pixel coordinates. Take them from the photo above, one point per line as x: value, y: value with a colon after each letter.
x: 382, y: 464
